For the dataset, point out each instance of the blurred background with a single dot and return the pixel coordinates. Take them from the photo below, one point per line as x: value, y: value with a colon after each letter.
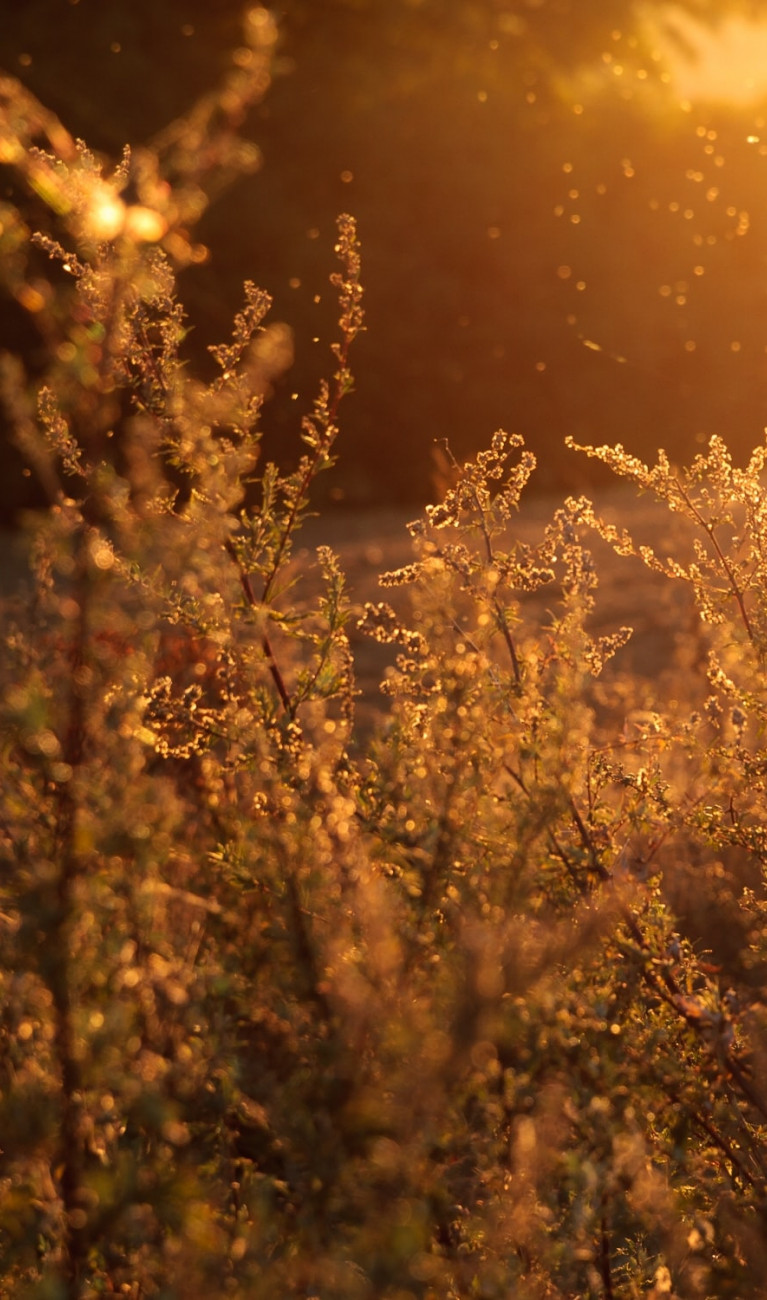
x: 561, y: 205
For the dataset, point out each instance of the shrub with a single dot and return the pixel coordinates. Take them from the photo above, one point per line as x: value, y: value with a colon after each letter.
x: 288, y: 1010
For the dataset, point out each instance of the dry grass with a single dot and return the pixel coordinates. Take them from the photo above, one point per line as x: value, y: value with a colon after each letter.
x: 654, y: 667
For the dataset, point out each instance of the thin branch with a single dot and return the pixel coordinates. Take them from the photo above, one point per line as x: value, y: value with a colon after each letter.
x: 59, y: 959
x: 724, y: 562
x: 351, y: 322
x: 266, y: 645
x: 605, y: 1268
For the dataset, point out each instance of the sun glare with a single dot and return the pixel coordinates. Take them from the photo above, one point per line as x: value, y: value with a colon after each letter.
x: 725, y: 64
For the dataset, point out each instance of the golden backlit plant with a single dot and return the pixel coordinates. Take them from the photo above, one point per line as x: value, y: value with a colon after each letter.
x: 292, y: 1010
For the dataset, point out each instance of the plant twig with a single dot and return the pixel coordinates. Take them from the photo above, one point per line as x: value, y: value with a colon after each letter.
x: 266, y: 645
x: 722, y: 558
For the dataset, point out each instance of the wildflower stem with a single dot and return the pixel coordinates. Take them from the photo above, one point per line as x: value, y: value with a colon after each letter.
x: 721, y: 557
x: 59, y: 957
x: 351, y: 323
x: 604, y: 1257
x: 266, y: 645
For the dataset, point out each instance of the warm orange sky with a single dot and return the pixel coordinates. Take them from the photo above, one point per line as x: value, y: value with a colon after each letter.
x: 730, y: 63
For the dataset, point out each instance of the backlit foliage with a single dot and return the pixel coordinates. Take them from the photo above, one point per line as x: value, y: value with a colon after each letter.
x: 468, y: 1008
